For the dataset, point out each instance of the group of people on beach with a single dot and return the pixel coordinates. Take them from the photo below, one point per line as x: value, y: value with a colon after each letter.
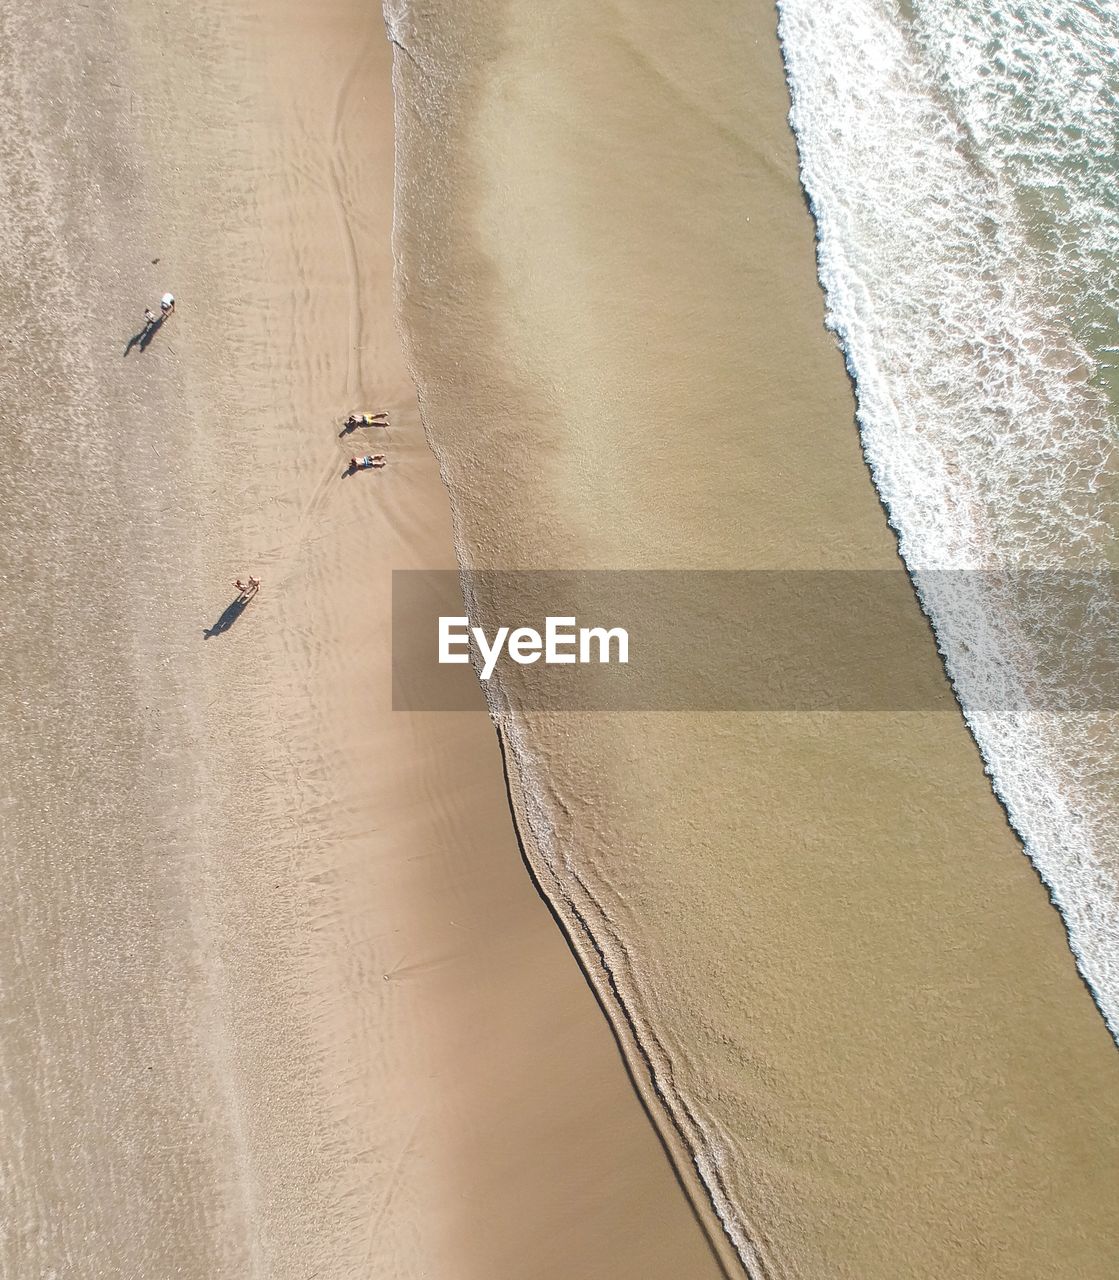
x: 359, y: 462
x: 366, y: 461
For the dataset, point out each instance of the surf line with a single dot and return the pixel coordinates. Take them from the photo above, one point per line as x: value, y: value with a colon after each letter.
x: 562, y: 643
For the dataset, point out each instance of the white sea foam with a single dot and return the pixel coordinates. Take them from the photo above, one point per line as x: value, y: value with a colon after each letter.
x: 959, y: 160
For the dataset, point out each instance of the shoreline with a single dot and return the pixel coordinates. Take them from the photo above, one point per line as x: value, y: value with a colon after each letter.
x: 583, y: 345
x: 281, y: 1000
x: 638, y: 1065
x: 1036, y: 777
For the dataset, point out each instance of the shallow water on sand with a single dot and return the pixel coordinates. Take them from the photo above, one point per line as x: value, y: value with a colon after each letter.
x: 843, y: 985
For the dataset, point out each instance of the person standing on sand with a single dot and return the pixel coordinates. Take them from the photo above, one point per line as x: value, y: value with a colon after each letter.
x: 167, y: 303
x: 149, y: 317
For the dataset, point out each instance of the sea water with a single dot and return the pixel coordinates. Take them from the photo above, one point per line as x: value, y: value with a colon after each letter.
x: 961, y: 163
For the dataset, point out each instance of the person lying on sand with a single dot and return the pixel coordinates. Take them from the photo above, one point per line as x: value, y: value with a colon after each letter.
x: 366, y: 461
x: 366, y: 419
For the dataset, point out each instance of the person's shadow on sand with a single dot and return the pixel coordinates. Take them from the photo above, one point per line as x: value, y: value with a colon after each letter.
x: 232, y: 612
x: 144, y: 337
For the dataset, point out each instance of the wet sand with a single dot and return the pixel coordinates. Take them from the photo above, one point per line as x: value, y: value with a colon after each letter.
x: 279, y: 996
x: 841, y: 982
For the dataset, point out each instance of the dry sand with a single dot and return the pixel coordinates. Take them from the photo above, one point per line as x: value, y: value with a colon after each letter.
x: 279, y: 998
x: 837, y: 971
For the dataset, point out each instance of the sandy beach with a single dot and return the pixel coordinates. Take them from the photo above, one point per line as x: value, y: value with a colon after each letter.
x: 280, y: 997
x: 840, y: 980
x: 288, y: 988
